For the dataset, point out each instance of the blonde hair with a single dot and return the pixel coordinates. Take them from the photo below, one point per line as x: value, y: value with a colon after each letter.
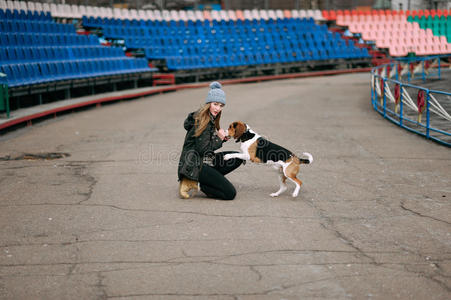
x: 202, y: 117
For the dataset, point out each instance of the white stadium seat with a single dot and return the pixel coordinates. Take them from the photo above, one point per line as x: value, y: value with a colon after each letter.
x: 199, y: 15
x: 255, y: 14
x: 75, y: 12
x: 157, y: 15
x: 117, y: 12
x: 174, y: 15
x: 247, y: 14
x: 108, y: 12
x: 215, y: 15
x: 133, y: 14
x: 23, y: 5
x: 272, y: 14
x: 10, y: 5
x: 224, y: 15
x: 16, y: 5
x: 125, y: 13
x: 232, y: 15
x: 150, y: 15
x: 264, y: 14
x: 166, y: 15
x: 318, y: 15
x: 302, y: 13
x: 142, y: 14
x: 46, y: 7
x: 190, y: 15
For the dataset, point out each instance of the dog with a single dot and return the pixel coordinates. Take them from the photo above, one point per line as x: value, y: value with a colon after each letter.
x: 259, y: 150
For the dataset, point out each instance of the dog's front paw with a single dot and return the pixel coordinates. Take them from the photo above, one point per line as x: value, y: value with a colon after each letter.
x: 274, y: 194
x: 228, y: 156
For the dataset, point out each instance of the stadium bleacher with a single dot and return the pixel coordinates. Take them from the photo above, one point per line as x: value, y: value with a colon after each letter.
x: 219, y: 44
x: 43, y: 43
x: 421, y: 33
x: 35, y: 49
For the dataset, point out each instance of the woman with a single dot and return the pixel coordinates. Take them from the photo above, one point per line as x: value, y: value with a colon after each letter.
x: 198, y: 162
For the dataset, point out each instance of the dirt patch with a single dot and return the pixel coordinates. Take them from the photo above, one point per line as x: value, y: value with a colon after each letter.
x: 36, y: 156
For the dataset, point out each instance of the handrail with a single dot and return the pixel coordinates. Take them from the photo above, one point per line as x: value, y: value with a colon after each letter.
x: 400, y: 102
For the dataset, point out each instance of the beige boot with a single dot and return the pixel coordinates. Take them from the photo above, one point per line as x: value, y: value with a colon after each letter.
x: 186, y: 185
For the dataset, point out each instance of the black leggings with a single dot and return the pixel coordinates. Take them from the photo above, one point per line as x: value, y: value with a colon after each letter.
x: 212, y: 180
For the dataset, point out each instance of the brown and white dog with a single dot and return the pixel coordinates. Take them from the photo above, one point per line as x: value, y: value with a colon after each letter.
x: 259, y: 150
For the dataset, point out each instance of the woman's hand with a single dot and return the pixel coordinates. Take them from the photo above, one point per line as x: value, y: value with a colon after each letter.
x: 222, y: 134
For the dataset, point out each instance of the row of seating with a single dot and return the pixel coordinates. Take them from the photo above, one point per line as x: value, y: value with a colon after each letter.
x: 333, y: 15
x: 28, y: 54
x: 227, y: 44
x: 196, y: 32
x: 189, y: 62
x: 44, y: 72
x: 78, y: 11
x: 31, y: 26
x: 178, y: 41
x: 36, y: 50
x: 9, y: 39
x: 25, y: 15
x: 97, y: 22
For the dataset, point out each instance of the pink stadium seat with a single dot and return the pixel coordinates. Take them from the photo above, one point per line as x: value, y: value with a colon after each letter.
x: 436, y: 49
x: 239, y: 15
x: 207, y: 15
x: 287, y: 14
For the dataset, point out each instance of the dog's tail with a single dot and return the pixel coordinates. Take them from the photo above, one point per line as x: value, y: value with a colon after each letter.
x: 307, y: 160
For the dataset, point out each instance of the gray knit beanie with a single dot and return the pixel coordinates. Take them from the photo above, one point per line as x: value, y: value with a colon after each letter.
x: 216, y: 94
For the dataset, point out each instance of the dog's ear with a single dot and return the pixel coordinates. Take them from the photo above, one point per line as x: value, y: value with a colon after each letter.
x: 239, y: 130
x: 235, y: 124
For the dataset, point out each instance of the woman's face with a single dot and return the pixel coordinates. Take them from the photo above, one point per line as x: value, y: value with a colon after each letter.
x: 215, y: 108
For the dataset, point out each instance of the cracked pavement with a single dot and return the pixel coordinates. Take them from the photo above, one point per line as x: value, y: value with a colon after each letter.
x: 372, y: 220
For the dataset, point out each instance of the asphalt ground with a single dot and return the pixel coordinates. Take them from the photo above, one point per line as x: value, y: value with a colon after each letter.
x: 372, y: 219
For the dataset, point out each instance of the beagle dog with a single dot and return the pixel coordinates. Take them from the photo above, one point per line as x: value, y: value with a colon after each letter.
x: 259, y: 150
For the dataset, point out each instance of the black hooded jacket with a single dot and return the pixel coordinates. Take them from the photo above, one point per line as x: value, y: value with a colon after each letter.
x: 195, y: 148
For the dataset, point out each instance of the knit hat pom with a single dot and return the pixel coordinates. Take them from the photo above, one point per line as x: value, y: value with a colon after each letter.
x: 216, y: 94
x: 215, y: 85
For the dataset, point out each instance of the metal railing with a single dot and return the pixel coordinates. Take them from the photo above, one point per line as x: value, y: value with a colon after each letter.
x: 416, y: 108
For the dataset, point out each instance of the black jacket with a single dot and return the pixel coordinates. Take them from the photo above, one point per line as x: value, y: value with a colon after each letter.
x: 195, y: 148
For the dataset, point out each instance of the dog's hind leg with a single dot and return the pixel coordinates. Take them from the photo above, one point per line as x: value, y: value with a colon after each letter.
x: 290, y: 172
x: 283, y: 185
x: 298, y: 184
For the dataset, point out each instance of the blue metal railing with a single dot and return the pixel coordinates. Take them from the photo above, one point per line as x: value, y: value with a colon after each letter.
x: 401, y: 109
